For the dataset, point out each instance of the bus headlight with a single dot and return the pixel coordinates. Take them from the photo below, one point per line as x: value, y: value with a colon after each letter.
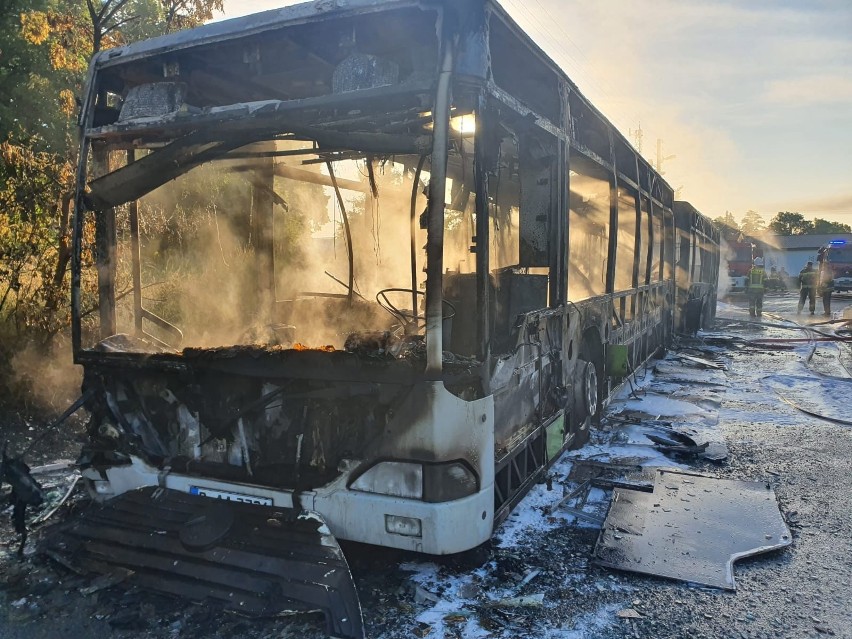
x: 447, y: 482
x: 398, y: 479
x: 430, y: 482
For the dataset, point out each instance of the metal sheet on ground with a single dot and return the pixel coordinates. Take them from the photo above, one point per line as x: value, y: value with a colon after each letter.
x: 251, y: 559
x: 691, y: 528
x: 677, y: 372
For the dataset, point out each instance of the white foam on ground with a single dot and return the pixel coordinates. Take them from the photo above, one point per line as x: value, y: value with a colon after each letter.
x: 824, y: 396
x: 586, y: 626
x: 451, y: 604
x: 663, y: 406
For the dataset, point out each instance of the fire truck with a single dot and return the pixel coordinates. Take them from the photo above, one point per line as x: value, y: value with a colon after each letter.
x: 741, y: 256
x: 837, y: 256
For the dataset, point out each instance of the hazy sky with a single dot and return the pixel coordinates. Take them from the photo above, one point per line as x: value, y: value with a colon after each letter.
x: 752, y: 97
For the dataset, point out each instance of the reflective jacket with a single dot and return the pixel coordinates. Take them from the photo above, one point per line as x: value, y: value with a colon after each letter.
x: 808, y: 278
x: 755, y: 278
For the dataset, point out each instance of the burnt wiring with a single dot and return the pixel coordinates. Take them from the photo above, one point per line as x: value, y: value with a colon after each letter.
x: 634, y: 392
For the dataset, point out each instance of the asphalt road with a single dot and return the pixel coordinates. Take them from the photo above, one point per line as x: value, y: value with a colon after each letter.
x: 802, y: 591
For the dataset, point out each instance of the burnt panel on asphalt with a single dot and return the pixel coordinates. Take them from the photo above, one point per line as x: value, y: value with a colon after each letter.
x: 692, y: 528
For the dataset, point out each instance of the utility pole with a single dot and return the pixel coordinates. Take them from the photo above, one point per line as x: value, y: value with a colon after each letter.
x: 637, y: 136
x: 660, y: 158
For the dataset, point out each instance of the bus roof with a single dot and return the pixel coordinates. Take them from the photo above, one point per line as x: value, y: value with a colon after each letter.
x: 234, y: 28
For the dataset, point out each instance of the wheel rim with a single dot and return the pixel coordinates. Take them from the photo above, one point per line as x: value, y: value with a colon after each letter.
x: 591, y: 389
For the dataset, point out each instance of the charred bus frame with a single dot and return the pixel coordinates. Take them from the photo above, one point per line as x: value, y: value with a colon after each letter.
x: 423, y: 431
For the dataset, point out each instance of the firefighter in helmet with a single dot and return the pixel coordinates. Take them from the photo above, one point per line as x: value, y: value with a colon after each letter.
x: 754, y: 288
x: 825, y: 287
x: 808, y: 281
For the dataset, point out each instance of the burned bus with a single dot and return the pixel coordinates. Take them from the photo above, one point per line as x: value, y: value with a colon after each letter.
x: 378, y: 261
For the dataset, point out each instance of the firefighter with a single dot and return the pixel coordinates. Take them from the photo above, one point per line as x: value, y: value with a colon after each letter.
x: 826, y: 287
x: 754, y: 288
x: 808, y: 282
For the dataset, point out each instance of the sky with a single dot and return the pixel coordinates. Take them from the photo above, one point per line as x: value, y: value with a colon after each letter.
x: 752, y: 99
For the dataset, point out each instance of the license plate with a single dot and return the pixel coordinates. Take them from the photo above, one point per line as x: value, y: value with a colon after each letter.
x: 229, y: 496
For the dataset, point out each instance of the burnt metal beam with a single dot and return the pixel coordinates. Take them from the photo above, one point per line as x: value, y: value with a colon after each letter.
x: 415, y: 191
x: 135, y: 258
x: 277, y: 114
x: 312, y: 177
x: 346, y: 230
x: 105, y: 253
x: 435, y: 232
x: 146, y: 174
x: 481, y: 164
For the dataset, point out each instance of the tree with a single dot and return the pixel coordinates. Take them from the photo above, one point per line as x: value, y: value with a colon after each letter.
x: 32, y: 106
x: 184, y: 14
x: 753, y: 224
x: 71, y: 34
x: 787, y: 223
x: 107, y: 17
x: 827, y: 227
x: 727, y: 226
x: 32, y: 214
x: 45, y: 48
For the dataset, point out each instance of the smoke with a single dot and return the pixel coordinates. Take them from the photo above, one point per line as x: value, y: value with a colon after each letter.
x: 726, y: 253
x: 46, y: 377
x: 381, y: 240
x: 201, y: 265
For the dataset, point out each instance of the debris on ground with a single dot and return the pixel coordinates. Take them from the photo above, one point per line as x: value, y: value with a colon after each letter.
x: 208, y: 549
x: 692, y: 528
x: 522, y: 601
x: 26, y: 492
x: 542, y: 550
x: 715, y: 362
x: 628, y: 613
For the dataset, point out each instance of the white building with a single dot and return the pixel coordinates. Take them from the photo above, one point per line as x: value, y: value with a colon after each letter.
x: 792, y: 252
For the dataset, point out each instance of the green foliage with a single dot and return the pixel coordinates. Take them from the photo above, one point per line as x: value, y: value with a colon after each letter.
x: 827, y: 227
x: 32, y: 218
x: 183, y: 14
x: 45, y: 47
x: 33, y: 107
x: 787, y: 223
